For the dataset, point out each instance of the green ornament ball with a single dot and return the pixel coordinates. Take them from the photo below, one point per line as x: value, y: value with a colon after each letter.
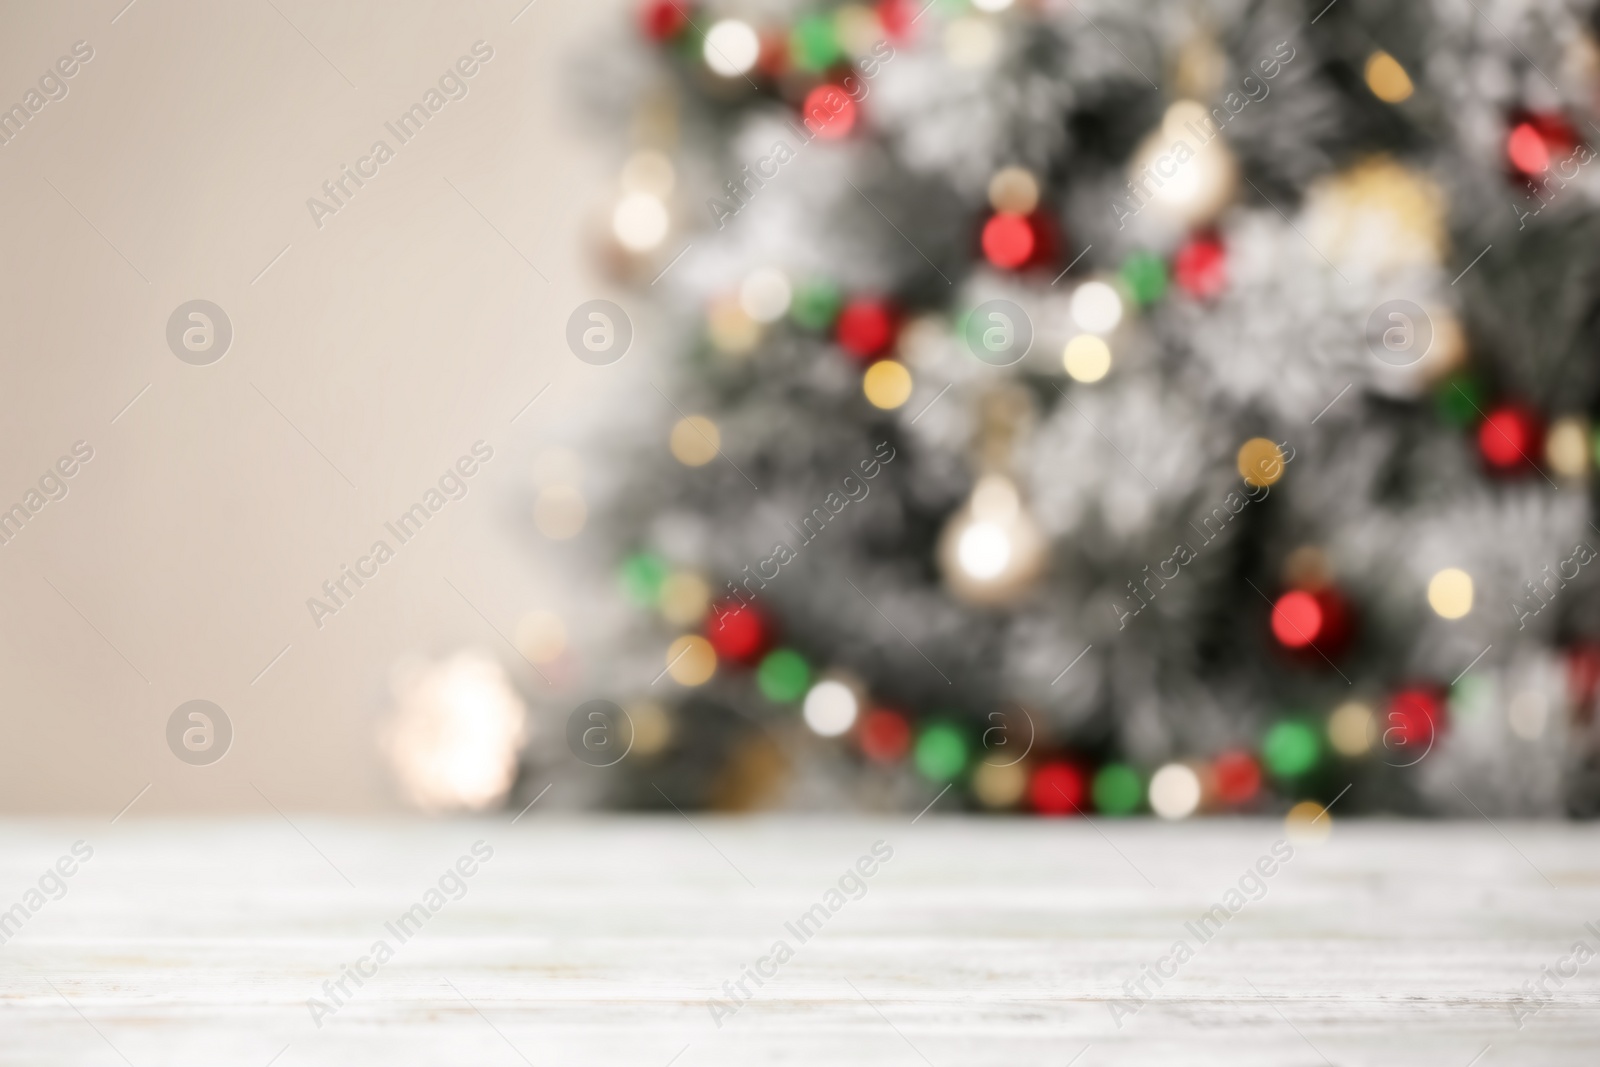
x: 1145, y: 278
x: 1290, y: 749
x: 815, y: 305
x: 1117, y: 790
x: 814, y: 45
x: 642, y: 575
x: 941, y: 752
x: 1460, y: 400
x: 783, y: 676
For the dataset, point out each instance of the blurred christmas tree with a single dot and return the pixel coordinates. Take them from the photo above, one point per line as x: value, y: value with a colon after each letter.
x: 1109, y: 408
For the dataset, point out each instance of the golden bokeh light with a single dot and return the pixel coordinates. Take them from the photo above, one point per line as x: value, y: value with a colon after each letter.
x: 652, y: 727
x: 691, y: 660
x: 997, y: 785
x: 1086, y: 358
x: 1567, y: 447
x: 1450, y: 593
x: 1014, y: 191
x: 1387, y: 79
x: 1308, y: 823
x: 1352, y: 729
x: 731, y: 329
x: 648, y: 171
x: 1260, y: 462
x: 695, y: 441
x: 685, y: 598
x: 887, y: 384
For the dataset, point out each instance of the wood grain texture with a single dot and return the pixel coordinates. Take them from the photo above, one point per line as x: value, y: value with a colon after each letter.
x: 979, y: 942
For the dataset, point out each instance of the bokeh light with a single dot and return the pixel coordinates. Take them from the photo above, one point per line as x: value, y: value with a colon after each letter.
x: 695, y: 441
x: 639, y: 221
x: 1174, y: 791
x: 691, y: 660
x: 765, y: 295
x: 1450, y: 593
x: 1096, y: 307
x: 1014, y: 190
x: 1086, y: 358
x: 830, y: 708
x: 1387, y: 79
x: 1352, y: 729
x: 731, y: 48
x: 1260, y: 462
x: 1290, y: 749
x: 457, y: 730
x: 941, y: 752
x: 887, y: 384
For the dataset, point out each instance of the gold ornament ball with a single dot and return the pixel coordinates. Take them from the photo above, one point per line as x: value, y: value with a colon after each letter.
x: 1014, y: 190
x: 1567, y: 447
x: 998, y: 785
x: 1352, y: 729
x: 691, y: 660
x: 1086, y: 358
x: 695, y: 441
x: 1260, y: 462
x: 887, y: 384
x: 685, y: 597
x: 1387, y: 79
x: 1450, y: 593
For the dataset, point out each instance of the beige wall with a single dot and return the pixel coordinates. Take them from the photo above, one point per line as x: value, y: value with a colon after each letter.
x: 392, y: 337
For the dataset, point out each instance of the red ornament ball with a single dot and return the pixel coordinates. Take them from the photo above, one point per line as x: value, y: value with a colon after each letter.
x: 829, y: 112
x: 1297, y: 619
x: 1201, y: 268
x: 865, y: 328
x: 736, y: 631
x: 1415, y: 718
x: 1056, y: 788
x: 897, y: 17
x: 1537, y: 140
x: 662, y: 20
x: 1583, y: 676
x: 1008, y: 241
x: 1237, y: 776
x: 1506, y: 437
x: 884, y: 735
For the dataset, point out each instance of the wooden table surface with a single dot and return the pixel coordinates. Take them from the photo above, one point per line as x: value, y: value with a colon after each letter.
x: 604, y: 941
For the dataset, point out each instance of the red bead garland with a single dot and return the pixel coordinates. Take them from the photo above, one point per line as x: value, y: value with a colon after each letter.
x: 1415, y: 718
x: 1008, y: 241
x: 1538, y: 140
x: 829, y: 112
x: 884, y: 735
x: 865, y: 328
x: 1237, y: 777
x: 1201, y: 268
x: 736, y: 631
x: 1057, y: 788
x: 662, y: 20
x: 1507, y: 437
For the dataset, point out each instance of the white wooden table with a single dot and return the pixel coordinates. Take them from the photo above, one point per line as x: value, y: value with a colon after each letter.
x: 599, y: 942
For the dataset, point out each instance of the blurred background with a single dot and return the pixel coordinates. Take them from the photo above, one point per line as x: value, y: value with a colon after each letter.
x: 367, y: 355
x: 1038, y: 407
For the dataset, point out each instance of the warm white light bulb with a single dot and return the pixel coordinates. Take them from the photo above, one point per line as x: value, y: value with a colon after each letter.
x: 1174, y: 791
x: 732, y: 48
x: 830, y: 708
x: 984, y: 550
x: 640, y: 221
x: 1096, y: 307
